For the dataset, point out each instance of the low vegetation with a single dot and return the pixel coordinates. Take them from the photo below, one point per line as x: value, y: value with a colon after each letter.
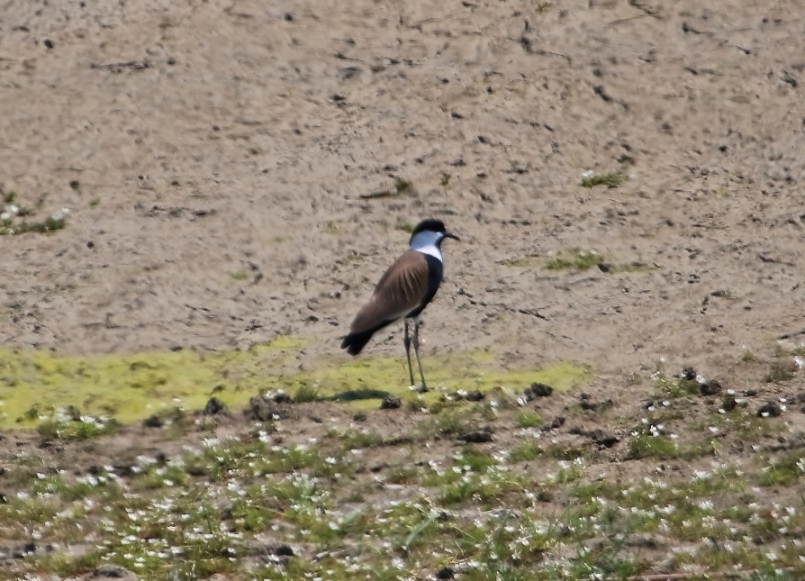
x: 476, y: 485
x: 16, y: 219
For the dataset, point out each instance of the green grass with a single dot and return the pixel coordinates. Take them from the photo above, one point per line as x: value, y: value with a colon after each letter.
x: 529, y: 419
x: 578, y: 259
x: 787, y: 470
x: 239, y: 275
x: 610, y: 180
x: 205, y: 511
x: 50, y: 224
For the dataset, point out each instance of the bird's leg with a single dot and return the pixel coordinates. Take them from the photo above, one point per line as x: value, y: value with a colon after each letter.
x: 416, y: 352
x: 407, y: 343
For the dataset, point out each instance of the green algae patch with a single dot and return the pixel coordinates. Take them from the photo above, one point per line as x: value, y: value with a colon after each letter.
x: 468, y: 371
x: 35, y: 385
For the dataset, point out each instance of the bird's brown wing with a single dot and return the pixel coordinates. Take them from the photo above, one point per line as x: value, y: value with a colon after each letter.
x: 401, y: 289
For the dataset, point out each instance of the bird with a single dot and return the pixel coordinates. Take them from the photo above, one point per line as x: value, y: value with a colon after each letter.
x: 404, y: 290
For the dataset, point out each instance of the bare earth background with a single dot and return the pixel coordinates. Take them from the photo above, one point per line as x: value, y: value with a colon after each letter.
x: 215, y: 154
x: 218, y: 138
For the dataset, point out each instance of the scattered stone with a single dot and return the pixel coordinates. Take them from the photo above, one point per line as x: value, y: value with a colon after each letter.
x: 537, y: 390
x: 3, y: 498
x: 729, y: 403
x: 688, y: 373
x: 391, y: 402
x: 770, y: 409
x: 110, y: 571
x: 584, y: 396
x: 710, y: 387
x: 446, y: 573
x: 604, y: 267
x: 378, y: 467
x: 479, y: 436
x: 750, y: 393
x: 557, y: 422
x: 153, y: 422
x: 359, y: 417
x: 214, y: 407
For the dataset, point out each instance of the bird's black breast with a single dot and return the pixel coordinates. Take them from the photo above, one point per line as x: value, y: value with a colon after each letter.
x: 435, y: 270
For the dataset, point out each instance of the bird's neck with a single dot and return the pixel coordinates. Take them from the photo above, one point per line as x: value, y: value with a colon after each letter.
x: 428, y: 243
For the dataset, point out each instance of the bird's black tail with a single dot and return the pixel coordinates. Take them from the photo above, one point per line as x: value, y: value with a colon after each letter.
x: 355, y: 342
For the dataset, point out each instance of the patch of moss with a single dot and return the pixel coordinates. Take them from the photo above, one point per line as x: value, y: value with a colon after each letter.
x: 36, y: 385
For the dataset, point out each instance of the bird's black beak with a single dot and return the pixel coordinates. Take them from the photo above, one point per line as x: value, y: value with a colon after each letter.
x: 451, y: 235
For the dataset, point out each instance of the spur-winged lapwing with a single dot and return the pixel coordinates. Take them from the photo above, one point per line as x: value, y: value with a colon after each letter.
x: 403, y: 291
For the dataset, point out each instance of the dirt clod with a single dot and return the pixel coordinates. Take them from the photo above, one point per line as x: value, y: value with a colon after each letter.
x: 283, y: 551
x: 599, y: 406
x: 446, y: 573
x: 264, y: 410
x: 710, y: 387
x: 110, y: 571
x: 479, y: 436
x: 153, y: 421
x: 215, y: 407
x: 770, y: 409
x: 537, y: 390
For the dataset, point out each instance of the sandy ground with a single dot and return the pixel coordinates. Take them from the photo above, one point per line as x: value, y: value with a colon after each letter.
x: 218, y: 160
x: 214, y: 156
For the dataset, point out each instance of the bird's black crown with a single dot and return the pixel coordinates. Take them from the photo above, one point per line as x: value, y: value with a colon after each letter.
x: 429, y: 225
